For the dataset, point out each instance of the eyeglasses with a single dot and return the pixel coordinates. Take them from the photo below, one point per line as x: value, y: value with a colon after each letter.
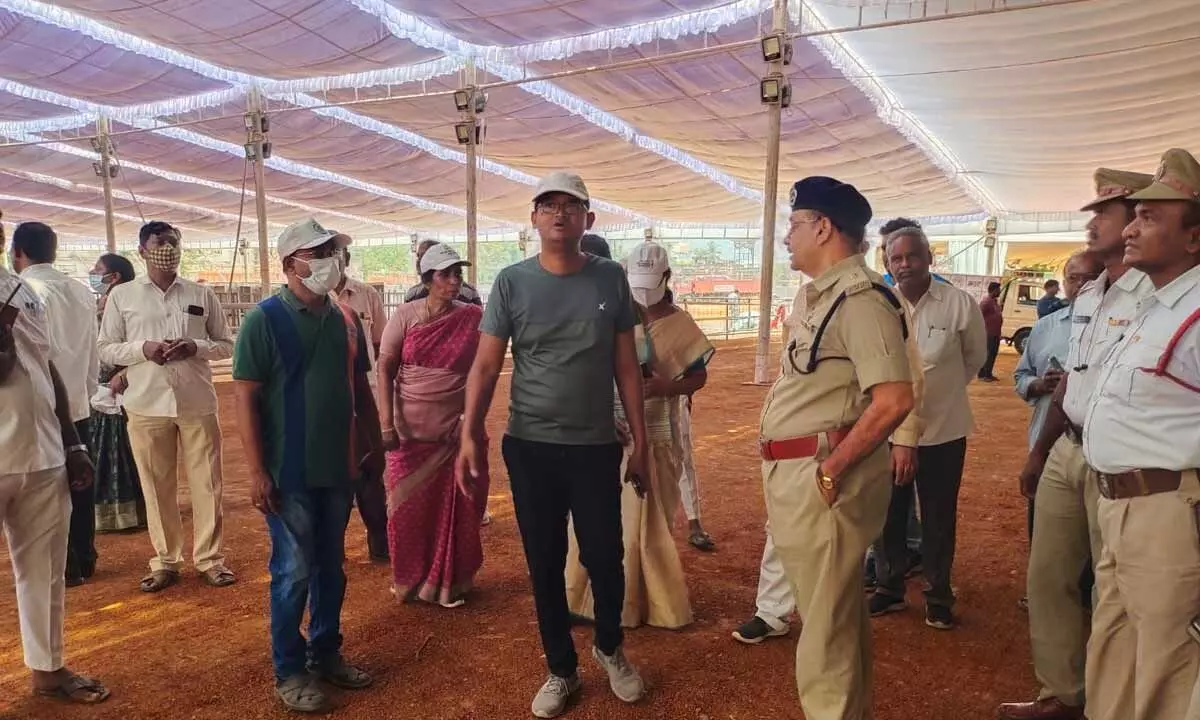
x: 570, y: 209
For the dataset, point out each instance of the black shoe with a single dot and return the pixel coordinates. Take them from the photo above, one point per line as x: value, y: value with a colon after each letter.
x: 74, y: 581
x: 881, y: 604
x: 755, y: 630
x: 377, y: 551
x: 939, y: 617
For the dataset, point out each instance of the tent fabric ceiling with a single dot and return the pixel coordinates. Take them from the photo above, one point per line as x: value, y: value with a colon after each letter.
x: 1022, y: 104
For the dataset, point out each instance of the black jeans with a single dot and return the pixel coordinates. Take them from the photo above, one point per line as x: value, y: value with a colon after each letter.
x: 989, y: 365
x: 548, y: 483
x: 371, y: 500
x: 939, y: 477
x: 81, y: 541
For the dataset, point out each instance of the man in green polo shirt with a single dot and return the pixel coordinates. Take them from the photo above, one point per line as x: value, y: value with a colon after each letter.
x: 309, y: 426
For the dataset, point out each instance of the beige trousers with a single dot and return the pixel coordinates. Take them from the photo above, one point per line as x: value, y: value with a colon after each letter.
x: 1064, y: 533
x: 35, y: 510
x: 1141, y: 662
x: 821, y: 549
x: 157, y: 443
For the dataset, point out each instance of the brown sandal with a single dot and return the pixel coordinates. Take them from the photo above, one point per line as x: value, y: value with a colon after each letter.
x: 159, y: 580
x: 219, y: 576
x: 76, y: 689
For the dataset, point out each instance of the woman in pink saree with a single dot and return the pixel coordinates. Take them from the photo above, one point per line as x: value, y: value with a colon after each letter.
x: 427, y: 350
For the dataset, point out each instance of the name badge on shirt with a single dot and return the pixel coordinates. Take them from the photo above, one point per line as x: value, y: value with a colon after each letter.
x: 1117, y: 322
x: 1081, y: 319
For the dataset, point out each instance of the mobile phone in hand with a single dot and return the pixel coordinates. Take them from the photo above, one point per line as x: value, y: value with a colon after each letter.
x: 1055, y: 364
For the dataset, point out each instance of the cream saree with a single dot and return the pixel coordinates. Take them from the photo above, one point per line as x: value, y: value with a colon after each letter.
x: 655, y: 588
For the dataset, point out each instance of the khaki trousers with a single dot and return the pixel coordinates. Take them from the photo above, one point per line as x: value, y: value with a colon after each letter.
x: 1064, y: 533
x: 1141, y: 662
x: 157, y: 443
x: 821, y: 549
x: 35, y: 510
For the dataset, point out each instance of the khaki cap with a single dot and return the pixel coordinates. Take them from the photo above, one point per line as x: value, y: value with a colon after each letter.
x: 1116, y: 184
x: 1178, y: 178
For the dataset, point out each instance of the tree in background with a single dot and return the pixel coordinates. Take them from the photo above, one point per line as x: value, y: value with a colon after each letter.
x: 388, y: 264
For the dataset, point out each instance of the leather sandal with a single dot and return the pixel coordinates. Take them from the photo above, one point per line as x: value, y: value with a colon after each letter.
x: 159, y: 580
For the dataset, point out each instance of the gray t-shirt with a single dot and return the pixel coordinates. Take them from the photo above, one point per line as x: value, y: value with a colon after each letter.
x: 563, y: 330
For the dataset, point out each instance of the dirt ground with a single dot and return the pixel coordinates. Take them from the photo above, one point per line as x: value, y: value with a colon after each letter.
x: 198, y: 652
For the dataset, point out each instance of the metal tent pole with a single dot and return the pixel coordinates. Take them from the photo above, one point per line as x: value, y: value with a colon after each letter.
x: 106, y: 175
x: 472, y: 179
x: 256, y: 143
x: 770, y: 195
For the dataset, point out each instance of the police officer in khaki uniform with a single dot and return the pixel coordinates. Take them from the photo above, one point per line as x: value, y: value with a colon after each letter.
x: 1065, y: 535
x: 846, y: 385
x: 1142, y: 438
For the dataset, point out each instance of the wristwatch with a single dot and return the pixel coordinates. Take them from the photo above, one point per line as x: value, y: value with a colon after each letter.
x: 72, y: 449
x: 825, y: 481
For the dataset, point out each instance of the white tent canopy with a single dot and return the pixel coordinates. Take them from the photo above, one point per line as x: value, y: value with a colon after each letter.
x: 1000, y: 113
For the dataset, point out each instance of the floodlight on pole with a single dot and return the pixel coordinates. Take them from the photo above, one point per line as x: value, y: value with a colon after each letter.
x: 774, y: 89
x: 776, y: 48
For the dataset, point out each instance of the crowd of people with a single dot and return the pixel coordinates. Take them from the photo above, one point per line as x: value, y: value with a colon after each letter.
x: 863, y: 439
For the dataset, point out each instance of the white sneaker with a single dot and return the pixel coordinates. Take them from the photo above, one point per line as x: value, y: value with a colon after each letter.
x: 487, y: 518
x: 552, y: 699
x: 623, y: 677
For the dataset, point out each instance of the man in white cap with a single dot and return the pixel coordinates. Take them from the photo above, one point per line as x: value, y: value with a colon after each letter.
x: 466, y: 294
x: 570, y: 318
x: 365, y: 302
x: 300, y: 368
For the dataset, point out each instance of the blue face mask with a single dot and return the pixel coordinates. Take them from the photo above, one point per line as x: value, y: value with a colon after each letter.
x: 97, y: 283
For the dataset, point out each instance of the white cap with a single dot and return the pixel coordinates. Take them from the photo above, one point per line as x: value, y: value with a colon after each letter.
x: 440, y: 257
x: 646, y: 265
x: 302, y: 235
x: 562, y: 182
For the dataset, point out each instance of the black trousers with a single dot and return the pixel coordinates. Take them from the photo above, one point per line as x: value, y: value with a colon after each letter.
x: 371, y: 499
x: 81, y: 540
x: 548, y: 483
x: 939, y: 477
x: 989, y: 365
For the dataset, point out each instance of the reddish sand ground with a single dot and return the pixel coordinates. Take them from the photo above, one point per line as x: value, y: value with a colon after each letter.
x: 198, y: 652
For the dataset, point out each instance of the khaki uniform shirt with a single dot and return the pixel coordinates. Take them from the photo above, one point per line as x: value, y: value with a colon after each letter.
x: 365, y: 302
x: 1138, y: 419
x: 863, y: 346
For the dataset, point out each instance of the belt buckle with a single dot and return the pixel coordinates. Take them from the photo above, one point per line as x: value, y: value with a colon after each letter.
x: 764, y: 449
x: 1105, y: 486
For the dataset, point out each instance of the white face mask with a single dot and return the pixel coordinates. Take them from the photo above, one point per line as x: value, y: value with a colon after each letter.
x: 324, y: 275
x: 648, y: 297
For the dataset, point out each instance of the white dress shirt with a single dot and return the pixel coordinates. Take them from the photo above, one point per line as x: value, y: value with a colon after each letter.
x: 1098, y: 320
x: 71, y: 319
x: 953, y: 343
x: 138, y: 312
x: 30, y: 435
x: 1138, y: 419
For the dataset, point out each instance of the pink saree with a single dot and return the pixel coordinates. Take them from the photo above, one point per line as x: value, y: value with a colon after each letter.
x: 433, y: 529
